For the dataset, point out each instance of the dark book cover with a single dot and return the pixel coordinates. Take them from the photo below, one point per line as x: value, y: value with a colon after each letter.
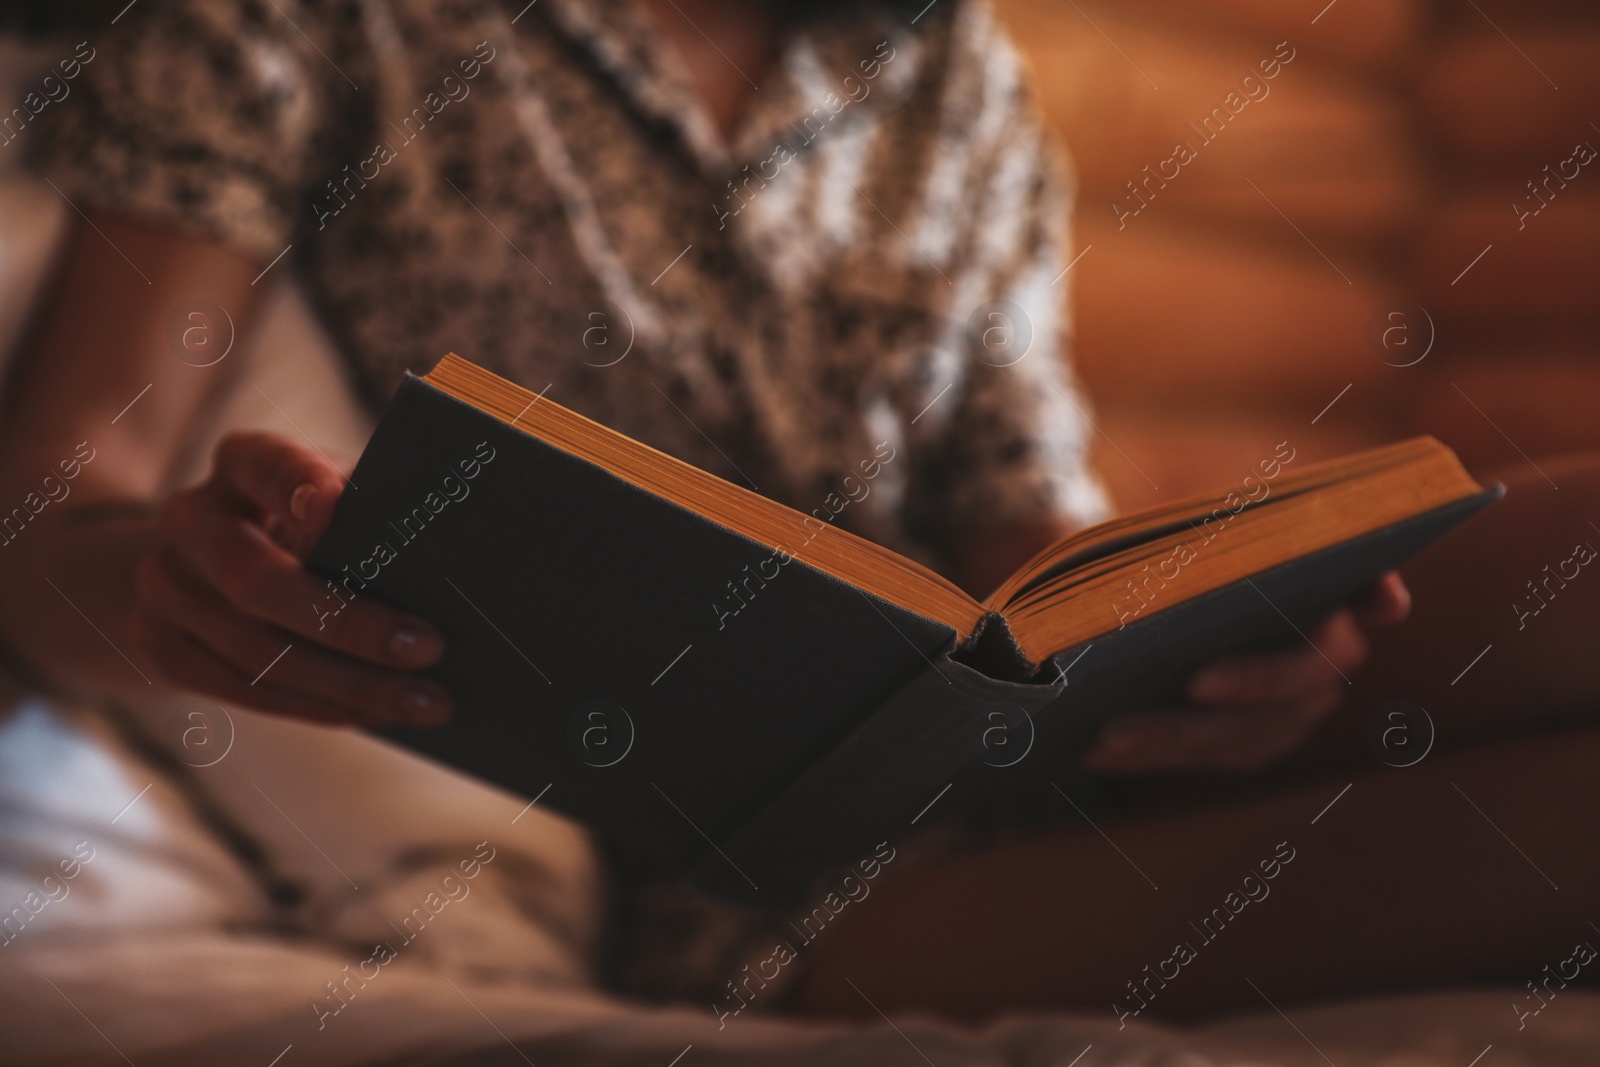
x: 704, y: 700
x: 590, y: 646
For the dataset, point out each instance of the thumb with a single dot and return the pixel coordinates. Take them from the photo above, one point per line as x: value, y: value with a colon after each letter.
x: 291, y: 490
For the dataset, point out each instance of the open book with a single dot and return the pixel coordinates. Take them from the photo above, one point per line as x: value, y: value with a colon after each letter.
x: 717, y: 679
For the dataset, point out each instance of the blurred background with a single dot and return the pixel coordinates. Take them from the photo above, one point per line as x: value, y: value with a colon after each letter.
x: 1381, y: 176
x: 1388, y: 154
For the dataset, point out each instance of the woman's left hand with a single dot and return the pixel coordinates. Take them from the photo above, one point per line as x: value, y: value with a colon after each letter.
x: 1251, y: 710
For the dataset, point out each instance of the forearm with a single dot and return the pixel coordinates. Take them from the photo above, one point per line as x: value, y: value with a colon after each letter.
x: 67, y: 595
x: 95, y: 410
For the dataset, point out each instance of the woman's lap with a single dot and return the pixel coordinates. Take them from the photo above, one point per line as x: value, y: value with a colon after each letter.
x: 1442, y: 872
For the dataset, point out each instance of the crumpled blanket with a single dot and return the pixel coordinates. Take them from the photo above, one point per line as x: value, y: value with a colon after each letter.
x: 148, y: 936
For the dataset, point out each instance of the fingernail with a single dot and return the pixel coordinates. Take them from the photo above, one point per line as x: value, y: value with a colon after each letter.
x: 422, y: 707
x: 415, y: 644
x: 300, y: 500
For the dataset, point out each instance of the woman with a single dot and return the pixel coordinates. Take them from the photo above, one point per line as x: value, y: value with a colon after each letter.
x: 795, y: 211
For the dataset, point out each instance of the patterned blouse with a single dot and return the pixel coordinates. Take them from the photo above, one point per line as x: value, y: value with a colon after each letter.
x: 876, y: 255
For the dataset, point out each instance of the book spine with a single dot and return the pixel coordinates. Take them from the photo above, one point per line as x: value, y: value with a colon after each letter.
x: 874, y: 782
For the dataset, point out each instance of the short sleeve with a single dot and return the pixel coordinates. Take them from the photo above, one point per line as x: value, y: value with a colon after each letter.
x: 197, y: 113
x: 1009, y: 443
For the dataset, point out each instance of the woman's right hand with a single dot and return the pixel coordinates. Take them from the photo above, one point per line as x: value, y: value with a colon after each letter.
x: 226, y: 607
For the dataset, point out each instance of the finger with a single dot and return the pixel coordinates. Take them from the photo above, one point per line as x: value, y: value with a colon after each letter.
x: 1187, y: 739
x: 1329, y: 654
x: 292, y: 490
x: 261, y: 579
x: 184, y: 662
x: 368, y: 695
x: 378, y: 698
x: 1386, y: 603
x: 1341, y: 643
